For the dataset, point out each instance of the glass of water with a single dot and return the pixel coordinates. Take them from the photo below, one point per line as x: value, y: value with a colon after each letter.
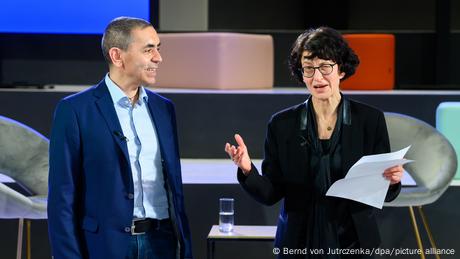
x: 226, y: 214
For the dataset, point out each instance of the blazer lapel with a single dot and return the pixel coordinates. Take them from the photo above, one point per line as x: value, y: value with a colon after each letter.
x: 303, y: 142
x: 161, y: 122
x: 297, y: 146
x: 105, y: 106
x: 348, y: 143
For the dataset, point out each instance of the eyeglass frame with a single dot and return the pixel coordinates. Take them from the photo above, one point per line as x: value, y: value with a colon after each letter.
x: 317, y: 68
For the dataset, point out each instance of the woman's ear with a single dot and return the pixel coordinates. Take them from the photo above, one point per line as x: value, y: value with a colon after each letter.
x: 342, y: 75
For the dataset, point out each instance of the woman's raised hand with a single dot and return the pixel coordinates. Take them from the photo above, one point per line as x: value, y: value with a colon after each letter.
x: 239, y: 154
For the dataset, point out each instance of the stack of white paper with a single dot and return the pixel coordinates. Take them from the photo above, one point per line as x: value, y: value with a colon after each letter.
x: 364, y: 181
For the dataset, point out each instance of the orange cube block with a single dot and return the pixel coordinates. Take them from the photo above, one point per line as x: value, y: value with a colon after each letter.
x: 376, y: 70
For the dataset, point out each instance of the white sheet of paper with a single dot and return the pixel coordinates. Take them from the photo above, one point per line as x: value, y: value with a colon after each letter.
x: 364, y: 181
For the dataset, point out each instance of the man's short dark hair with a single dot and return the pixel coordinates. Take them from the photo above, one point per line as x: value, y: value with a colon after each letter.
x: 324, y: 43
x: 118, y: 34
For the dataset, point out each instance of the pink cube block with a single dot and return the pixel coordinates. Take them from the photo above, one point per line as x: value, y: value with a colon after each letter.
x: 216, y: 61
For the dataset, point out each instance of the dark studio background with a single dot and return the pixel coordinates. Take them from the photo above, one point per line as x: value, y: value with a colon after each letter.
x: 427, y: 39
x: 427, y: 35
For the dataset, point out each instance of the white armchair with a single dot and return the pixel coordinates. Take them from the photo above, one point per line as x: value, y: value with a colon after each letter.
x: 23, y: 158
x: 434, y: 166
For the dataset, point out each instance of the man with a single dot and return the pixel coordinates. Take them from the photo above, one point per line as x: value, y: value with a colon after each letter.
x: 115, y: 187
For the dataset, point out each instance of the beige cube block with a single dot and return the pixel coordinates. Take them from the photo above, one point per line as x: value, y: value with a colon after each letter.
x: 216, y: 61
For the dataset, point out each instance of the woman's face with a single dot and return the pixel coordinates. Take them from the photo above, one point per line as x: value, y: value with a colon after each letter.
x: 325, y: 81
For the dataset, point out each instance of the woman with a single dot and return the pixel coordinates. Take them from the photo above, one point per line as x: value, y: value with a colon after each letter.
x: 311, y: 145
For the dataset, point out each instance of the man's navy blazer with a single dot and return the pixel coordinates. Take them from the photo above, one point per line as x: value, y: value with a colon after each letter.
x: 90, y: 203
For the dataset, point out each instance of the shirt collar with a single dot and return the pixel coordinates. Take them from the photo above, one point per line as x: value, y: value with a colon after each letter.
x: 119, y: 97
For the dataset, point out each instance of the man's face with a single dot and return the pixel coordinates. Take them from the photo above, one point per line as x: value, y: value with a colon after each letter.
x: 141, y: 59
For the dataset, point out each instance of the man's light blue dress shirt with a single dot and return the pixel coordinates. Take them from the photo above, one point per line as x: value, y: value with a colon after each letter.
x: 150, y: 199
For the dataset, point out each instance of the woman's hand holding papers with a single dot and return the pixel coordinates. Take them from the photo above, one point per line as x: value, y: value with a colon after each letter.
x: 394, y: 174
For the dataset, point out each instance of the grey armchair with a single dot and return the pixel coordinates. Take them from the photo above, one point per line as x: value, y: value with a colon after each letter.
x: 24, y: 158
x: 433, y: 170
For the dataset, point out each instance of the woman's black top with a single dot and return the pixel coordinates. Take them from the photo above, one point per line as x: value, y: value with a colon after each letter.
x: 329, y: 223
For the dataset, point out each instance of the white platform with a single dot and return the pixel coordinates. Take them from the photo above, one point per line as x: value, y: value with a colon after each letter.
x: 244, y: 232
x: 220, y: 171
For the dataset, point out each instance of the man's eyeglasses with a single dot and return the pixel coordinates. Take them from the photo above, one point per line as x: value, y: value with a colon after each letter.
x: 324, y: 69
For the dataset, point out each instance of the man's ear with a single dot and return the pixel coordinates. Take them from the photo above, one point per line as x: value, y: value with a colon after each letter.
x: 116, y: 56
x: 342, y: 75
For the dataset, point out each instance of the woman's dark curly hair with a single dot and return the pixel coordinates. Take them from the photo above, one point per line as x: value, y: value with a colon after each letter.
x: 324, y: 43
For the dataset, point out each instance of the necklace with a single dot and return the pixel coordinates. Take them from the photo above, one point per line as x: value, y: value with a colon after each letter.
x: 329, y: 127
